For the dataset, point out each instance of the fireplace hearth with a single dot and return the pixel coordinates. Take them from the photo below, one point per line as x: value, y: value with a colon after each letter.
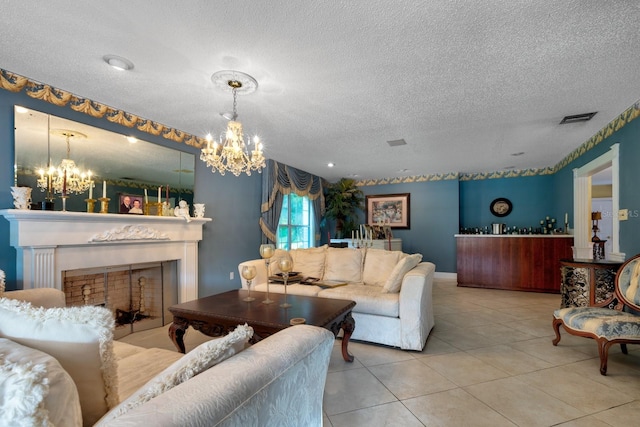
x: 138, y: 295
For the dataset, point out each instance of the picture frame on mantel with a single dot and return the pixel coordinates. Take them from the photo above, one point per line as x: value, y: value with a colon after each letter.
x: 390, y: 209
x: 130, y: 204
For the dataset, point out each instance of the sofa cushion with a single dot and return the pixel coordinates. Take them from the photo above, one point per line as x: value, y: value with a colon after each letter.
x: 35, y: 389
x: 406, y: 264
x: 80, y: 338
x: 378, y: 265
x: 344, y: 264
x: 369, y: 299
x: 309, y: 262
x: 196, y: 361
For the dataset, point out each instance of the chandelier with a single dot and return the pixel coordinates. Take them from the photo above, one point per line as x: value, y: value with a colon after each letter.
x: 232, y: 153
x: 66, y: 178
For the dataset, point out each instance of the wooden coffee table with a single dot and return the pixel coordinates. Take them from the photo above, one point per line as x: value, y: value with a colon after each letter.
x: 219, y: 314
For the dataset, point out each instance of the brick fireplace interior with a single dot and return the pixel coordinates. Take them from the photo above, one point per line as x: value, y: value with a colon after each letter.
x: 138, y: 295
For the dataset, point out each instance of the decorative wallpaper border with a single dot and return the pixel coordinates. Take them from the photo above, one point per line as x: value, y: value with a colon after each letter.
x: 616, y: 124
x: 16, y: 83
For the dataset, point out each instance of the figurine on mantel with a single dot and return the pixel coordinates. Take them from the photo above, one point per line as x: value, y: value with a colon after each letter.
x: 182, y: 210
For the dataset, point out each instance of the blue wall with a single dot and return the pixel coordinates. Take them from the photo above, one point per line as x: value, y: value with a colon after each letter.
x: 629, y: 139
x: 233, y: 203
x: 532, y: 199
x: 434, y: 220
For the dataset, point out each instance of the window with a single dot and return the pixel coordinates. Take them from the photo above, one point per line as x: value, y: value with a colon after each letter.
x: 295, y: 229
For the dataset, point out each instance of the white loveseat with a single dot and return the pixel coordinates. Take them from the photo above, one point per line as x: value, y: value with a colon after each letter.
x: 259, y: 384
x: 392, y: 290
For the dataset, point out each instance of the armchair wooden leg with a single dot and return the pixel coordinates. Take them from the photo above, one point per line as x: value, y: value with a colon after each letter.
x: 603, y: 352
x: 556, y: 329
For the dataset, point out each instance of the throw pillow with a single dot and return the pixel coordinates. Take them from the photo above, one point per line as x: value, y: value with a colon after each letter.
x: 80, y: 338
x: 378, y: 265
x: 344, y: 264
x: 191, y: 364
x: 34, y: 389
x: 309, y: 262
x: 394, y: 281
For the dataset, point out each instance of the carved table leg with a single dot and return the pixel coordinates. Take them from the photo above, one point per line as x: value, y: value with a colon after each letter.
x: 176, y: 332
x: 348, y: 325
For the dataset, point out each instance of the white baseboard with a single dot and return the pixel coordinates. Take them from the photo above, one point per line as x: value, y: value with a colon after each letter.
x: 447, y: 276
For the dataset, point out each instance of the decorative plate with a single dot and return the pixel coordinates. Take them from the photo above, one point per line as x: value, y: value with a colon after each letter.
x: 501, y: 207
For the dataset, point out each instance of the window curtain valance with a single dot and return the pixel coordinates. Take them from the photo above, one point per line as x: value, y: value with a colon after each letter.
x: 279, y: 179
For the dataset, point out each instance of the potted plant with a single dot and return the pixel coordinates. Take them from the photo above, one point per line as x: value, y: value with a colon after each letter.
x: 343, y: 200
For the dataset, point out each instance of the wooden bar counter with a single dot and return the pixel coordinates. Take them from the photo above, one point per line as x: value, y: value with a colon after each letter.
x: 513, y: 262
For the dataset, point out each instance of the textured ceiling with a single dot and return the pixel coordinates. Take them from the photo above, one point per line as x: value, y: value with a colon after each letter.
x: 465, y: 83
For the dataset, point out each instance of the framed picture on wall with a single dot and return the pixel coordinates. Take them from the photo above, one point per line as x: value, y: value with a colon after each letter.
x: 389, y: 209
x: 131, y: 204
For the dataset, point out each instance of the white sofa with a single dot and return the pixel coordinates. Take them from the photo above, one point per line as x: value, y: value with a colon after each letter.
x: 258, y: 385
x: 392, y: 290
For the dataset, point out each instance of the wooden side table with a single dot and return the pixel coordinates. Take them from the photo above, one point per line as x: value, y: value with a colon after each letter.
x: 587, y: 282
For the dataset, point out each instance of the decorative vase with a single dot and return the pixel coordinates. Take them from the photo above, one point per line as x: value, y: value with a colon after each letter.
x: 198, y: 210
x: 21, y: 197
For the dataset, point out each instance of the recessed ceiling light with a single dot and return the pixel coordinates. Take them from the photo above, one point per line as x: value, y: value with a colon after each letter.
x: 118, y: 62
x: 519, y: 153
x: 20, y: 109
x: 330, y: 164
x: 132, y: 139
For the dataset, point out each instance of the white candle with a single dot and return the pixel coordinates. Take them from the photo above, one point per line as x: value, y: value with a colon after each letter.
x: 104, y: 189
x: 91, y: 189
x: 159, y: 193
x: 566, y: 217
x: 146, y: 197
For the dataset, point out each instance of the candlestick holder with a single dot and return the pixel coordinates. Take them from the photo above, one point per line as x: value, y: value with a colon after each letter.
x: 91, y: 204
x: 64, y: 203
x: 159, y: 211
x: 104, y: 204
x: 166, y: 209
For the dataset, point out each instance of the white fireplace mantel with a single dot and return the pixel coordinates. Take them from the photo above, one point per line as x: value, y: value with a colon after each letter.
x: 50, y: 242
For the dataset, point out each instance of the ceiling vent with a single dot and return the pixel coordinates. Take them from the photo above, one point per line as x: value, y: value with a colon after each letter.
x: 578, y: 118
x: 397, y: 142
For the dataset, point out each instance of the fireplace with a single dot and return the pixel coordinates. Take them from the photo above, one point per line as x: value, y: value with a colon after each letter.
x: 49, y: 244
x: 138, y: 295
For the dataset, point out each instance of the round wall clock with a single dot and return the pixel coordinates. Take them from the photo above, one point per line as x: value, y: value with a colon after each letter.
x: 501, y: 207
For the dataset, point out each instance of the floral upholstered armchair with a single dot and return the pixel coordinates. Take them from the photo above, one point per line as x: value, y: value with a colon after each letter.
x: 607, y: 326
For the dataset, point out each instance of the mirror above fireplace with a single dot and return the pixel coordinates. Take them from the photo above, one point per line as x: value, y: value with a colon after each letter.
x: 122, y: 161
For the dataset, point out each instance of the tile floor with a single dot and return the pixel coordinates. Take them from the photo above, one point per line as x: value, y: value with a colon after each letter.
x: 489, y: 361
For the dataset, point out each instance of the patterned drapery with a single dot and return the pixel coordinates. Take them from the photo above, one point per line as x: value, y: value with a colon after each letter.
x: 279, y: 179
